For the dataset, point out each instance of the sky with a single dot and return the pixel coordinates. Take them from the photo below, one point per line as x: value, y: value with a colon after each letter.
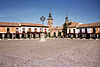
x: 30, y: 11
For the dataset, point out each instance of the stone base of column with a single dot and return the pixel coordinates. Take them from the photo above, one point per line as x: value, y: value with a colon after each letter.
x: 42, y: 38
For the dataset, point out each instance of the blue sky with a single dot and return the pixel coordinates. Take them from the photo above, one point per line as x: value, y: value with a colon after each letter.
x: 30, y: 11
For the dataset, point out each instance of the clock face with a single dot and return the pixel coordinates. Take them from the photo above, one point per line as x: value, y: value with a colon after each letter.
x: 42, y: 18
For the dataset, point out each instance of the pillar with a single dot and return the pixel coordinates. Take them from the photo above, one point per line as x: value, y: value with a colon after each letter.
x: 30, y: 36
x: 98, y: 35
x: 90, y: 35
x: 26, y: 35
x: 3, y: 35
x: 20, y: 35
x: 76, y: 35
x: 7, y: 35
x: 12, y: 36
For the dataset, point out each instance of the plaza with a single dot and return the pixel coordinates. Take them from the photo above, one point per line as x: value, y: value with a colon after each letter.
x: 52, y: 53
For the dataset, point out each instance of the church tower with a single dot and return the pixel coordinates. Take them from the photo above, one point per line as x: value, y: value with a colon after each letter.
x: 66, y: 19
x: 50, y: 21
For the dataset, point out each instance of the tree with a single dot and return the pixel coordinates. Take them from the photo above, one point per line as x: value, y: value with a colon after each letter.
x: 65, y: 26
x: 49, y: 34
x: 59, y: 33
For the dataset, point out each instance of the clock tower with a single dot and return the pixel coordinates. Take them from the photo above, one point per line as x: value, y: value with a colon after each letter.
x: 50, y: 21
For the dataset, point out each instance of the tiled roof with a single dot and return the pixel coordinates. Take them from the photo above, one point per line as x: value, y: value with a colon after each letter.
x: 8, y: 24
x: 90, y: 25
x: 73, y: 25
x: 19, y: 24
x: 30, y: 24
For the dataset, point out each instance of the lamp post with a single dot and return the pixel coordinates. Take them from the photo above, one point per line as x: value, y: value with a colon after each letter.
x: 42, y: 35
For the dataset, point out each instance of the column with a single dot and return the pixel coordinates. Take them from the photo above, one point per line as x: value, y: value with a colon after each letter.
x: 20, y: 35
x: 26, y: 35
x: 12, y: 36
x: 8, y: 35
x: 90, y: 35
x: 76, y: 35
x: 30, y: 36
x: 98, y: 35
x: 3, y: 35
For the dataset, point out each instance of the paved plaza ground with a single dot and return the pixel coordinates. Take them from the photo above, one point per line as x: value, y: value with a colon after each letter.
x: 52, y: 53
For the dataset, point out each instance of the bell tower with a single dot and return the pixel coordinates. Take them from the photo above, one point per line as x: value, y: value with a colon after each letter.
x: 50, y: 21
x: 66, y: 19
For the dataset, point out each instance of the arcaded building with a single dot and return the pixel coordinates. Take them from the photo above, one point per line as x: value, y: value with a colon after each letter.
x: 75, y: 30
x: 32, y: 30
x: 21, y: 30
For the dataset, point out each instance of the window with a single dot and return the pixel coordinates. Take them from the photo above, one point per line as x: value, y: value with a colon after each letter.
x: 23, y: 29
x: 29, y: 29
x: 8, y: 29
x: 94, y: 31
x: 45, y: 30
x: 69, y: 31
x: 99, y: 30
x: 80, y: 30
x: 35, y: 29
x: 74, y: 30
x: 16, y: 29
x: 40, y: 29
x: 85, y: 30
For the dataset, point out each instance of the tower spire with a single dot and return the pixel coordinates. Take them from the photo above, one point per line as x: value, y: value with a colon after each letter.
x: 66, y: 14
x: 66, y: 19
x: 50, y: 16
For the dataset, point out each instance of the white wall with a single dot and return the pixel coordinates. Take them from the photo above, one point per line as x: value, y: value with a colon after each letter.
x: 32, y: 29
x: 71, y: 29
x: 83, y: 30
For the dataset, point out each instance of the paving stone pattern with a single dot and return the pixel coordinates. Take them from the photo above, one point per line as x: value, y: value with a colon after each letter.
x: 52, y: 53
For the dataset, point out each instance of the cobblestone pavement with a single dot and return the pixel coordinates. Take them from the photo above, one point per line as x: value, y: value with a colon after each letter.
x: 52, y: 53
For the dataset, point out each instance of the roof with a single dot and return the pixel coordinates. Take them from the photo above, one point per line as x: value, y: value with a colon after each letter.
x: 8, y: 24
x: 73, y: 25
x: 20, y: 24
x: 90, y: 25
x: 31, y: 24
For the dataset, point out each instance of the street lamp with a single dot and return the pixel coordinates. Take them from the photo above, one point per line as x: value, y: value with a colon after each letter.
x: 42, y: 19
x: 42, y: 35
